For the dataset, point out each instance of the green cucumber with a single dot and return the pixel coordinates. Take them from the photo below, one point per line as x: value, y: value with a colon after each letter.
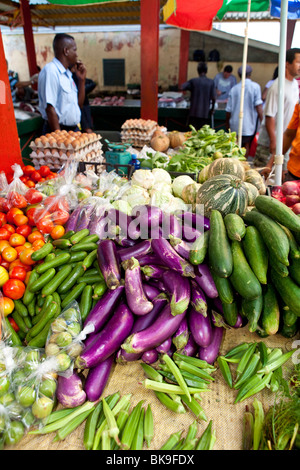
x: 288, y: 290
x: 20, y: 321
x: 59, y: 277
x: 78, y: 236
x: 86, y: 300
x: 289, y: 331
x: 235, y: 226
x: 294, y: 270
x: 219, y: 251
x: 42, y: 252
x: 252, y: 310
x: 224, y: 288
x: 289, y: 318
x: 48, y: 300
x: 68, y: 234
x: 58, y: 260
x: 89, y: 246
x: 256, y: 253
x: 242, y: 277
x: 13, y: 337
x: 39, y: 340
x: 278, y: 211
x: 94, y: 238
x: 21, y: 308
x: 62, y: 243
x: 78, y: 256
x: 294, y: 247
x: 43, y: 280
x: 28, y: 295
x: 73, y: 294
x: 279, y: 267
x: 199, y: 248
x: 31, y: 307
x: 230, y: 312
x: 69, y: 282
x: 99, y: 289
x: 37, y: 328
x: 89, y: 259
x: 273, y: 235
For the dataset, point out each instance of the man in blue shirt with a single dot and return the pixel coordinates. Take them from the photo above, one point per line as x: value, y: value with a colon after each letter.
x: 202, y: 97
x: 252, y: 110
x: 59, y: 98
x: 224, y: 81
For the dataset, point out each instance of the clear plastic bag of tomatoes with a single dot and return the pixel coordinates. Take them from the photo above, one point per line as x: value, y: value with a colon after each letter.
x: 16, y: 190
x: 55, y: 209
x: 3, y: 184
x: 66, y: 338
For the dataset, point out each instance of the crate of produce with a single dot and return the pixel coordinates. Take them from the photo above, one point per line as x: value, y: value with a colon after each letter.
x: 121, y: 169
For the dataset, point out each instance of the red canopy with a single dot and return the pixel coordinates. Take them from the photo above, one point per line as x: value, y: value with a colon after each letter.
x: 192, y: 15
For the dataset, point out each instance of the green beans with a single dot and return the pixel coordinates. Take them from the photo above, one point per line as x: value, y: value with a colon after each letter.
x: 90, y: 426
x: 168, y: 402
x: 151, y: 373
x: 177, y: 374
x: 130, y: 426
x: 148, y: 426
x: 195, y: 407
x: 259, y: 417
x: 138, y: 438
x: 225, y: 369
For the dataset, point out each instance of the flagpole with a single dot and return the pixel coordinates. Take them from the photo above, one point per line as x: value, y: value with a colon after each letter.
x: 279, y: 157
x: 245, y: 52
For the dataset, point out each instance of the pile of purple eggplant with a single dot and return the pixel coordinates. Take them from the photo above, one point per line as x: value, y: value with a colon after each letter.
x: 157, y: 302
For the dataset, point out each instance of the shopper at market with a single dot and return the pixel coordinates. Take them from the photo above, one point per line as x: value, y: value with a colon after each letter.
x: 252, y: 108
x: 266, y: 143
x: 202, y: 97
x: 291, y: 140
x: 59, y: 98
x: 224, y: 81
x: 269, y: 84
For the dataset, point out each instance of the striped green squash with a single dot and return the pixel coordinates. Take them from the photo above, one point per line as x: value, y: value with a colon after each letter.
x: 225, y: 193
x: 221, y: 166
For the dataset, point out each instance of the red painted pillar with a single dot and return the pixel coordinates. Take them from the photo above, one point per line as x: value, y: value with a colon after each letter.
x: 28, y: 34
x: 149, y: 58
x: 10, y: 151
x: 183, y: 56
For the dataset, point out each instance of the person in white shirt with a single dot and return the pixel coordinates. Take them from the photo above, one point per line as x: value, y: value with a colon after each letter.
x: 252, y: 109
x: 224, y: 81
x: 266, y: 143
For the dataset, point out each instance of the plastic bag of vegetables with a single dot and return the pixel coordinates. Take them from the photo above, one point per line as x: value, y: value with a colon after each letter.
x: 15, y: 191
x: 65, y: 339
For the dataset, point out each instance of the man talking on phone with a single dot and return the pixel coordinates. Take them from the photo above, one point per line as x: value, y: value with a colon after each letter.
x: 59, y: 98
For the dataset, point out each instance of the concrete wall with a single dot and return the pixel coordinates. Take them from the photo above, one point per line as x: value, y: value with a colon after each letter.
x: 95, y: 46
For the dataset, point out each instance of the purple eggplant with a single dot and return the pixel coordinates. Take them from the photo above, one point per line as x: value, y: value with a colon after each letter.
x: 139, y: 249
x: 154, y: 271
x: 170, y: 226
x: 211, y: 352
x: 157, y: 283
x: 135, y: 295
x: 149, y: 357
x: 239, y: 321
x: 200, y: 328
x: 190, y: 234
x: 165, y: 346
x: 97, y: 379
x: 149, y: 219
x: 122, y: 357
x: 84, y: 217
x: 191, y: 347
x: 108, y: 340
x: 150, y: 291
x: 72, y: 221
x: 198, y: 300
x: 169, y: 257
x: 162, y: 328
x: 100, y: 227
x: 69, y: 391
x: 108, y: 263
x: 197, y: 221
x: 124, y: 242
x: 143, y: 321
x: 179, y: 291
x: 181, y: 336
x: 205, y: 280
x: 182, y: 247
x: 128, y: 225
x: 148, y: 259
x: 103, y: 309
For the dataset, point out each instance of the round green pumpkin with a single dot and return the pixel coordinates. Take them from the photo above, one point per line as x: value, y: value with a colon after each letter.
x: 221, y: 166
x: 225, y: 193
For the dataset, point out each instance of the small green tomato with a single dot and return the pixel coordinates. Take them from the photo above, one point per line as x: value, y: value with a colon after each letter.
x: 42, y: 407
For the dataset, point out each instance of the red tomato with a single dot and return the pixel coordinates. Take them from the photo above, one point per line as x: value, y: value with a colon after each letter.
x: 25, y: 256
x: 35, y: 235
x: 24, y: 179
x: 45, y: 225
x: 18, y: 273
x: 3, y: 219
x: 4, y: 234
x: 19, y: 263
x: 9, y: 227
x: 30, y: 184
x: 20, y: 219
x: 17, y: 200
x: 3, y: 204
x: 51, y: 176
x: 24, y: 230
x: 44, y: 171
x: 14, y: 289
x: 13, y: 324
x: 60, y: 217
x: 28, y: 169
x: 33, y: 196
x: 16, y: 239
x: 32, y: 215
x: 35, y: 176
x: 54, y: 203
x: 11, y: 213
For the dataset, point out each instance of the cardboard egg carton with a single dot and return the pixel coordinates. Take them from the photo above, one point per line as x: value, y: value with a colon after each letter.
x: 64, y: 140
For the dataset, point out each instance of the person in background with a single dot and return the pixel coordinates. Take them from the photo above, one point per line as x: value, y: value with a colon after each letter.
x: 266, y: 142
x: 252, y: 110
x: 59, y: 98
x: 224, y: 81
x: 86, y: 122
x: 13, y: 80
x: 291, y: 140
x: 202, y: 97
x: 268, y: 84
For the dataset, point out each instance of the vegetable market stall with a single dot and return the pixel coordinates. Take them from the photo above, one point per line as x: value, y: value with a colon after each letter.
x: 204, y: 281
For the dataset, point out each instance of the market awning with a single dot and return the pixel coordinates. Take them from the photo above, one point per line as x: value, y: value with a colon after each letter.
x: 192, y: 15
